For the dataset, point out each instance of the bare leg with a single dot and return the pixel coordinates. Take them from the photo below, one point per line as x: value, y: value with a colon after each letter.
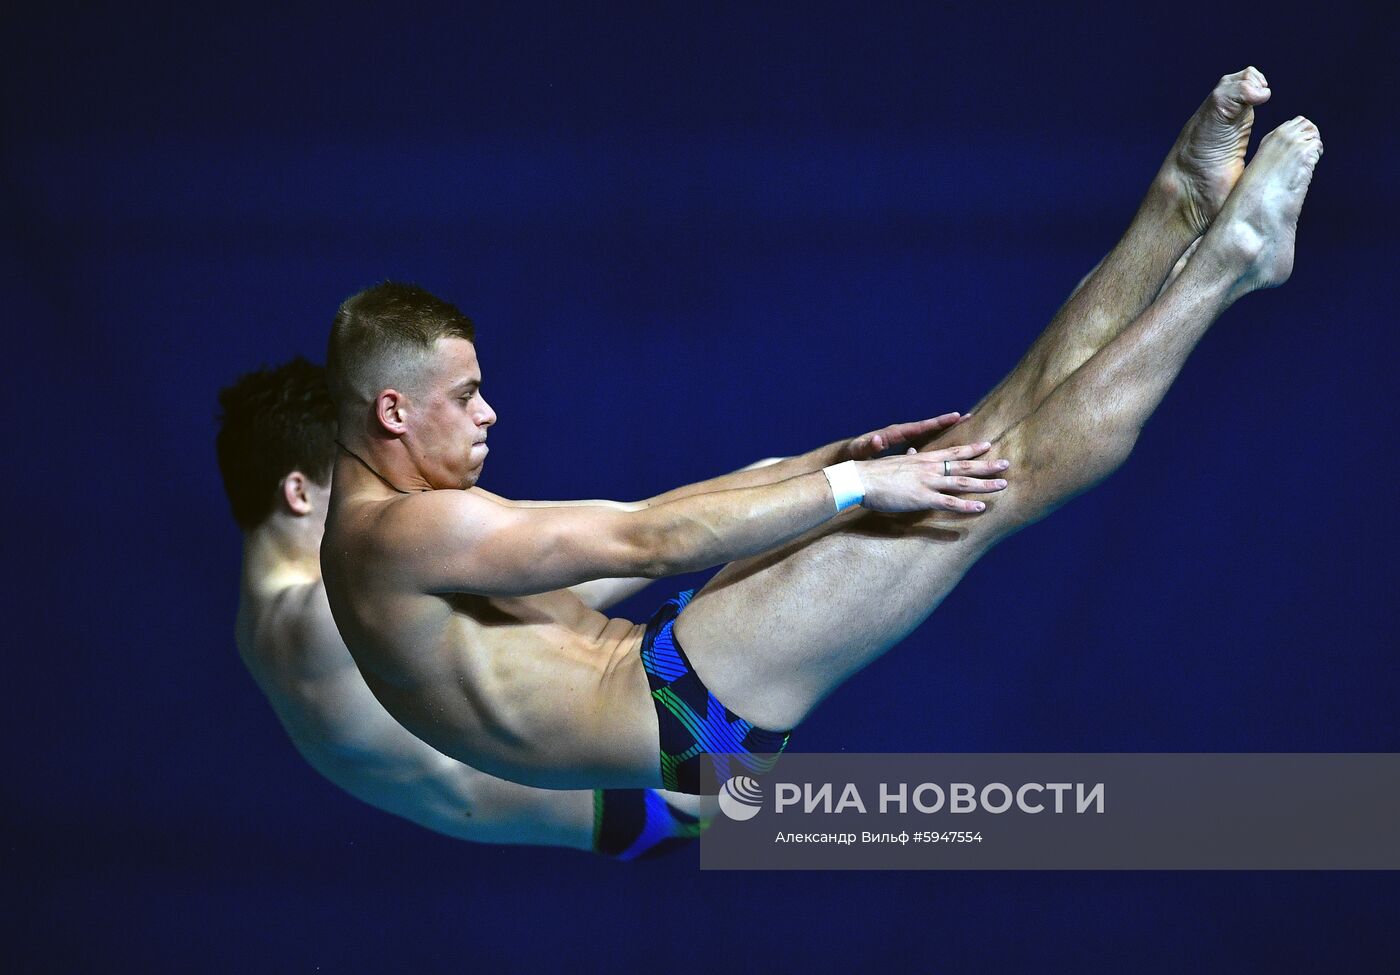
x: 1195, y: 179
x: 773, y: 635
x: 1180, y: 266
x: 1175, y: 272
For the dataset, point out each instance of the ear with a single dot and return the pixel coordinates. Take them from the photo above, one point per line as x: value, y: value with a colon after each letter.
x: 391, y: 410
x: 296, y: 493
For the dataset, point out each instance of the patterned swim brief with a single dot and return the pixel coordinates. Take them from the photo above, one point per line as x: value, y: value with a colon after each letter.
x: 695, y: 726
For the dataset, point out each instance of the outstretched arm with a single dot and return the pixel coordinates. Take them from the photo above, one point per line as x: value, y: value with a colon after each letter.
x: 894, y: 437
x: 600, y: 594
x: 770, y: 470
x: 464, y: 541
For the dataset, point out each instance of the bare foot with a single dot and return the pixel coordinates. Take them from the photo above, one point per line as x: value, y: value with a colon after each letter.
x: 1208, y: 157
x: 1255, y: 231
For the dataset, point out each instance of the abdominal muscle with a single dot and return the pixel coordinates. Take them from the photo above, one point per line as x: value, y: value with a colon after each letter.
x: 538, y: 689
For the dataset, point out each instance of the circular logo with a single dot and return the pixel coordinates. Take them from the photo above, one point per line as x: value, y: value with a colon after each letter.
x: 741, y: 798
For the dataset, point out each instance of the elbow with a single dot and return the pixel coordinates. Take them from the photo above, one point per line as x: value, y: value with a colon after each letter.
x: 658, y: 565
x: 660, y: 570
x: 653, y: 550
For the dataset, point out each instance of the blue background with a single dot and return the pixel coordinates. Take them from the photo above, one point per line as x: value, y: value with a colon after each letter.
x: 690, y: 238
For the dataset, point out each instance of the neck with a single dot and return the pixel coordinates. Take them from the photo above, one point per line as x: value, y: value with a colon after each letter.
x: 383, y: 462
x: 282, y: 548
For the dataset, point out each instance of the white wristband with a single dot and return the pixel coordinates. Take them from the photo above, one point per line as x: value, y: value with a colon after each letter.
x: 846, y: 487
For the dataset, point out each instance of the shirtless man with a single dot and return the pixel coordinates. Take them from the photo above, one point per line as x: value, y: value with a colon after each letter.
x: 276, y: 446
x: 449, y: 597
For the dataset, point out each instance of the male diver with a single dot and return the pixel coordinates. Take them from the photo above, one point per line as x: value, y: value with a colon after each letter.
x: 276, y: 447
x: 455, y: 602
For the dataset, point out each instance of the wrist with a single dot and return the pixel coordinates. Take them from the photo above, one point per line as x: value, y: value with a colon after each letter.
x: 847, y: 490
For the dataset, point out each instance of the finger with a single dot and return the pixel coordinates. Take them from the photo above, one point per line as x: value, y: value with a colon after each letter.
x: 961, y: 452
x: 970, y: 485
x: 898, y: 434
x: 933, y: 423
x: 919, y: 431
x: 918, y: 428
x: 965, y: 505
x: 864, y: 447
x: 977, y: 468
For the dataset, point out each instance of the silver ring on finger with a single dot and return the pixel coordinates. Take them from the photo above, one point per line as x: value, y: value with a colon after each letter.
x: 945, y: 469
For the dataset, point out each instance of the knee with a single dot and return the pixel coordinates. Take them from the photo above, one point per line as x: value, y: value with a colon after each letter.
x: 1048, y: 469
x: 991, y: 422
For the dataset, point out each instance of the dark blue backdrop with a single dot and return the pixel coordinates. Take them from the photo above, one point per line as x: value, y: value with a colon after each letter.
x: 689, y: 238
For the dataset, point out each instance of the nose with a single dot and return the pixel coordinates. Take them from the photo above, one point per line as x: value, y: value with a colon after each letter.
x: 487, y: 415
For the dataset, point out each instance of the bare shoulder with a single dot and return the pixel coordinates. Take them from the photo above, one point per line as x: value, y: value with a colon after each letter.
x: 480, y: 491
x: 475, y: 542
x: 305, y: 615
x: 416, y: 535
x: 429, y: 519
x: 295, y: 631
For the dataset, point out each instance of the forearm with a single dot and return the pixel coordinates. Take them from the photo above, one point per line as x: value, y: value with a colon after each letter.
x: 709, y: 528
x: 478, y: 807
x: 594, y: 503
x: 768, y: 471
x: 459, y: 801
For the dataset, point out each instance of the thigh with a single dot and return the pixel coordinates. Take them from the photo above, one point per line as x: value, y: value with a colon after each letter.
x: 773, y: 635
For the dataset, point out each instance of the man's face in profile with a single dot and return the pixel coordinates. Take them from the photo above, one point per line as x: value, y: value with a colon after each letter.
x: 448, y: 418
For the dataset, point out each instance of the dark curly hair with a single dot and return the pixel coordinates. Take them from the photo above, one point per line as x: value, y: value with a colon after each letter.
x: 274, y: 421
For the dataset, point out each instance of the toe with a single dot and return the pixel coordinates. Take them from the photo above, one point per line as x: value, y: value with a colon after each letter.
x: 1303, y: 129
x: 1287, y: 132
x: 1250, y: 73
x: 1233, y: 95
x: 1245, y: 87
x: 1229, y: 100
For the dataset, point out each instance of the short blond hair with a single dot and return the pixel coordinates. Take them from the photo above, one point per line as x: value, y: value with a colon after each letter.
x: 382, y: 333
